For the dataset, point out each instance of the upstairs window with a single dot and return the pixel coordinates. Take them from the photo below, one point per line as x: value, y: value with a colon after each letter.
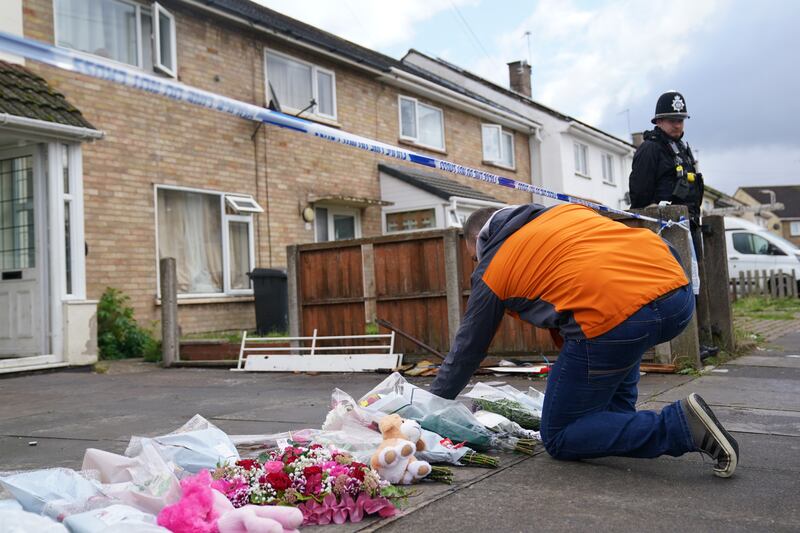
x: 421, y: 124
x: 581, y: 166
x: 301, y: 86
x: 608, y: 169
x: 498, y: 145
x: 120, y: 30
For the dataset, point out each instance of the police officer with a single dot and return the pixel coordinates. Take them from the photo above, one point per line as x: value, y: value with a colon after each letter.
x: 664, y: 168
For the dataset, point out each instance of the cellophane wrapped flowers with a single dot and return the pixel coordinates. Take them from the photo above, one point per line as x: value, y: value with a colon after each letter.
x: 327, y: 485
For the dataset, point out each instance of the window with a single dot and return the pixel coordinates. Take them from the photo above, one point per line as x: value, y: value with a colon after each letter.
x: 211, y: 241
x: 120, y: 30
x: 296, y: 83
x: 794, y: 229
x: 608, y: 169
x: 419, y: 219
x: 68, y: 198
x: 334, y: 223
x: 581, y: 168
x: 421, y: 123
x: 17, y: 230
x: 498, y: 145
x: 750, y: 243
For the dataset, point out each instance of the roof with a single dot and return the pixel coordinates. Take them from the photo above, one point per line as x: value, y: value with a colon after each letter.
x: 514, y: 94
x: 788, y: 195
x: 327, y: 41
x: 24, y: 94
x: 433, y: 183
x: 304, y: 32
x: 721, y: 196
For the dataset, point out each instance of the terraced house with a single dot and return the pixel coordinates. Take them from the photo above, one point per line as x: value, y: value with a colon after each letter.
x: 99, y: 181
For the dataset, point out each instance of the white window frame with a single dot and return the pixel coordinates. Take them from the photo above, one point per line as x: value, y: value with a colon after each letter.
x: 226, y: 258
x: 157, y: 10
x: 415, y: 140
x: 794, y: 228
x: 243, y: 203
x: 72, y: 201
x: 139, y: 48
x: 501, y: 132
x: 334, y: 209
x: 224, y: 219
x: 608, y: 163
x: 437, y: 217
x: 315, y: 69
x: 584, y: 149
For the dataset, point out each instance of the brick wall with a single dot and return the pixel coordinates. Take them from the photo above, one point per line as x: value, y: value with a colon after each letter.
x: 152, y: 140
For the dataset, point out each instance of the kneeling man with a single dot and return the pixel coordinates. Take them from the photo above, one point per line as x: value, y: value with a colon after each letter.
x: 607, y: 293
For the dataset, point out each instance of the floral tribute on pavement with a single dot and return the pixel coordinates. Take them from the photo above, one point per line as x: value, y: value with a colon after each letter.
x: 327, y: 485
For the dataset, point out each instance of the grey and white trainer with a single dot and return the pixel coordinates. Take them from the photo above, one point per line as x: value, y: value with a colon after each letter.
x: 710, y: 437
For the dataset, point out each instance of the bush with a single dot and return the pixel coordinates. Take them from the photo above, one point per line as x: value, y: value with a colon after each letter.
x: 119, y: 336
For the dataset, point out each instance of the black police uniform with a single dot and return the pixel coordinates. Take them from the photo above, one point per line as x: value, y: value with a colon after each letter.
x: 665, y: 169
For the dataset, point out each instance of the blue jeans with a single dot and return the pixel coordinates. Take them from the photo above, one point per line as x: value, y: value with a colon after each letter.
x: 590, y: 405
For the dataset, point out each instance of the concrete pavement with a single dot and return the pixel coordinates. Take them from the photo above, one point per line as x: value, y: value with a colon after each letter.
x: 756, y: 396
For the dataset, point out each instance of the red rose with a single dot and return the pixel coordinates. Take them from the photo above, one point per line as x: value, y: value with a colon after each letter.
x: 312, y: 470
x: 313, y: 475
x: 358, y: 472
x: 247, y: 464
x: 315, y: 447
x: 279, y: 480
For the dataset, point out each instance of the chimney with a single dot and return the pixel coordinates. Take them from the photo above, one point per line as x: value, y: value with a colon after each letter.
x: 519, y: 77
x: 637, y: 138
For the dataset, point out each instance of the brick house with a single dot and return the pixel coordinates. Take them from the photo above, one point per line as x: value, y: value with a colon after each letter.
x: 568, y: 155
x: 222, y: 194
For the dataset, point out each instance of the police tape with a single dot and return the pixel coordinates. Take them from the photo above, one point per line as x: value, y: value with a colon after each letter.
x: 129, y: 77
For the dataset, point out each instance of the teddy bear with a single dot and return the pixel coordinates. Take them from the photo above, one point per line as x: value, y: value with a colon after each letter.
x: 394, y: 460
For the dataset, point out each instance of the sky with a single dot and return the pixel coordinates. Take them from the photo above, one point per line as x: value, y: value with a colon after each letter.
x: 606, y: 63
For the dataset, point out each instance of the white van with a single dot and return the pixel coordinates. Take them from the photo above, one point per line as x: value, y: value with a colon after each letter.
x: 753, y: 248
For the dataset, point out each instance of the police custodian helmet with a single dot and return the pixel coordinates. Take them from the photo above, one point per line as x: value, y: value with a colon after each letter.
x: 670, y: 105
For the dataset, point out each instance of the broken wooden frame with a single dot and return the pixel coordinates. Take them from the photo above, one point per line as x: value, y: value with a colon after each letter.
x: 353, y: 353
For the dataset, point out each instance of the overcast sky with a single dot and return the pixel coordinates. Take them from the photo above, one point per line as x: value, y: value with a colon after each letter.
x: 734, y: 61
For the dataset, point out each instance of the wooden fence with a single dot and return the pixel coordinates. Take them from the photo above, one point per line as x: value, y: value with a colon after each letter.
x: 770, y: 283
x: 420, y: 283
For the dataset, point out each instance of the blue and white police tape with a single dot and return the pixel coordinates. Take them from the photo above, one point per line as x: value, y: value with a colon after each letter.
x: 116, y: 73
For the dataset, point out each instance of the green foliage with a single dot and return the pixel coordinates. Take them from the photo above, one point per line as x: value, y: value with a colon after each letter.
x: 119, y: 336
x: 767, y: 308
x: 371, y: 329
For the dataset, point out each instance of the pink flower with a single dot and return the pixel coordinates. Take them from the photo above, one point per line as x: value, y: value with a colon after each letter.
x: 273, y: 467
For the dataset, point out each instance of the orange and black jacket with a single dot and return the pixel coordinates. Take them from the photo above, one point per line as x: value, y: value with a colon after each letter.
x: 566, y: 268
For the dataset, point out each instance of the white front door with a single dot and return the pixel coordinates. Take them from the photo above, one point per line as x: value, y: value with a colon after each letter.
x: 21, y: 294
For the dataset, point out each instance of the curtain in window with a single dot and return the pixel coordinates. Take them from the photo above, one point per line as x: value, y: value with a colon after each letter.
x: 408, y: 119
x: 189, y: 229
x: 430, y: 126
x: 105, y: 28
x: 324, y: 93
x: 239, y: 242
x: 290, y: 80
x: 508, y: 149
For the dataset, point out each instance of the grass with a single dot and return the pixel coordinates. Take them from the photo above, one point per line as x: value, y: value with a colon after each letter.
x: 764, y: 308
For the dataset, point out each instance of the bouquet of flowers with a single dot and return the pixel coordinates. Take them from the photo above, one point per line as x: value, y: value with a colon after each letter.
x: 327, y: 485
x: 517, y: 406
x: 448, y: 418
